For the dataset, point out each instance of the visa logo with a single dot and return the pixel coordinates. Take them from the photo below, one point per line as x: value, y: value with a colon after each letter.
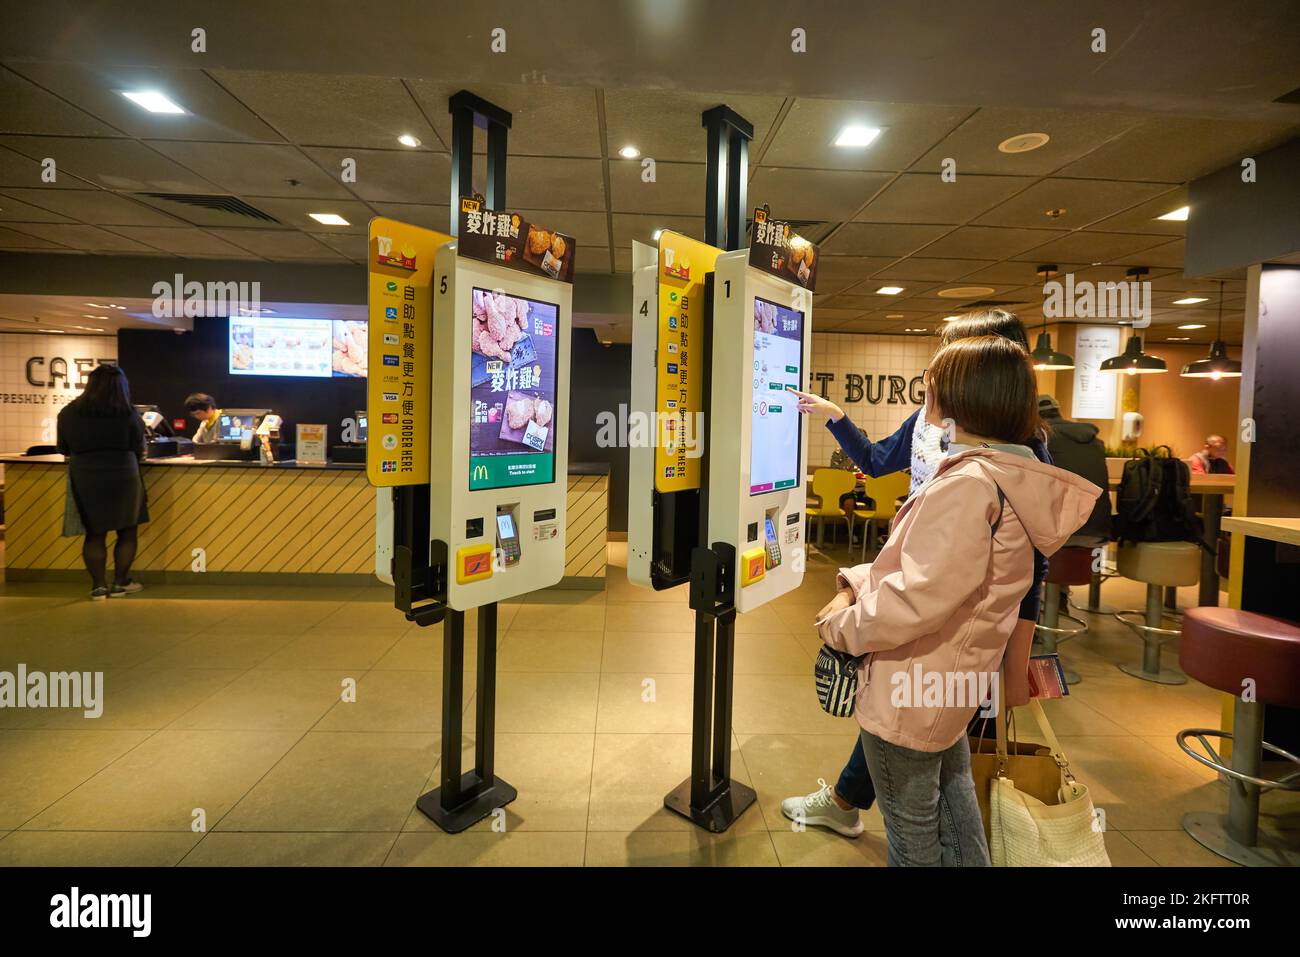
x: 390, y: 396
x: 390, y: 360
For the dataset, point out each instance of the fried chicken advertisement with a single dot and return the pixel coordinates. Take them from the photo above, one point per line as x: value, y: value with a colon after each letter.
x: 499, y: 322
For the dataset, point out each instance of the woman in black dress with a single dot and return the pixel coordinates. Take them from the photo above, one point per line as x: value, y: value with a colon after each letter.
x: 104, y: 439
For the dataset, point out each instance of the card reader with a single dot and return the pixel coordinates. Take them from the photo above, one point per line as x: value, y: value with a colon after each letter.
x: 773, y: 545
x: 507, y: 536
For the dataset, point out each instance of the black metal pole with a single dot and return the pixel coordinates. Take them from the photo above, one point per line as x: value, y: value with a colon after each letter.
x: 486, y: 703
x: 724, y: 684
x: 702, y: 711
x: 453, y: 706
x: 737, y: 187
x: 715, y: 195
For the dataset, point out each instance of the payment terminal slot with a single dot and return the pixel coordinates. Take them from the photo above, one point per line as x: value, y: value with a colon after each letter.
x: 773, y: 543
x: 508, y: 535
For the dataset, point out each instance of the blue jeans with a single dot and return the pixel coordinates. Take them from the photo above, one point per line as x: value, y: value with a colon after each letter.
x: 927, y: 798
x: 855, y: 784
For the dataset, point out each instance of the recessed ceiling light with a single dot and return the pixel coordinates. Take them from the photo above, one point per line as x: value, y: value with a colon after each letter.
x: 629, y: 152
x: 914, y: 330
x: 86, y: 315
x: 1178, y: 339
x: 965, y: 292
x: 152, y: 100
x: 893, y: 315
x: 1176, y: 215
x: 406, y: 139
x: 1190, y: 300
x: 857, y: 135
x: 1193, y: 325
x: 889, y: 290
x: 1023, y: 142
x: 951, y: 318
x: 329, y: 219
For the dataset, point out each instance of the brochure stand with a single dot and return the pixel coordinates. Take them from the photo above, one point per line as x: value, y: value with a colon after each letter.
x: 709, y: 797
x: 462, y: 799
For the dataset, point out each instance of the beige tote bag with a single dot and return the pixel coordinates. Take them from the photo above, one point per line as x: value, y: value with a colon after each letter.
x: 1028, y: 832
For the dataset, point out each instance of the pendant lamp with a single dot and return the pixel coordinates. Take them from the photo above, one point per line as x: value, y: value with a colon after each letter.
x: 1047, y: 359
x: 1133, y: 361
x: 1217, y: 365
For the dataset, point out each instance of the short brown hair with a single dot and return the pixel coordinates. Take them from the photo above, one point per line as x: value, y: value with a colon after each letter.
x: 986, y: 322
x: 985, y: 385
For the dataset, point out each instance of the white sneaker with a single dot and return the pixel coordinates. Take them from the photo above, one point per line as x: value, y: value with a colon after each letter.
x: 820, y: 809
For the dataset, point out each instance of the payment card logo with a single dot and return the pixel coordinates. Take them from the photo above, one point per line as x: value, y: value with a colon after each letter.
x: 390, y: 312
x: 390, y: 360
x: 390, y: 338
x: 390, y: 418
x: 390, y: 286
x: 672, y: 367
x: 390, y: 396
x: 388, y: 465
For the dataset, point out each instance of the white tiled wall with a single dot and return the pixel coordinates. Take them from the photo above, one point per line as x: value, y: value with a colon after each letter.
x: 844, y: 353
x: 28, y: 412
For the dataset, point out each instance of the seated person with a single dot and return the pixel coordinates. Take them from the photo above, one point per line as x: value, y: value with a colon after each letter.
x: 1213, y: 458
x: 202, y: 408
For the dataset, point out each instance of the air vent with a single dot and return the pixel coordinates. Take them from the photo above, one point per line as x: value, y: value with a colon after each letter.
x: 222, y: 204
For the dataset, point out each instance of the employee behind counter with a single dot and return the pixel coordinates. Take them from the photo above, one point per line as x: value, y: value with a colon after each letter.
x: 202, y: 408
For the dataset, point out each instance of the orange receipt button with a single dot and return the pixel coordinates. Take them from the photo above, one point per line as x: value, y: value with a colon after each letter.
x: 473, y: 563
x: 753, y: 565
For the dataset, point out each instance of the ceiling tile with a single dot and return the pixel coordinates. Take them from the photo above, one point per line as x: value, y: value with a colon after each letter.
x: 881, y: 239
x: 1175, y: 149
x: 1143, y: 218
x: 544, y: 182
x: 806, y: 136
x: 182, y: 241
x: 986, y: 242
x: 392, y: 176
x: 925, y: 198
x: 210, y: 112
x: 850, y: 267
x: 1086, y: 246
x: 1084, y: 201
x: 277, y: 244
x: 931, y: 270
x: 96, y: 206
x: 1012, y: 272
x: 1169, y: 255
x: 27, y: 108
x: 974, y: 145
x: 813, y: 194
x: 666, y: 126
x: 76, y: 236
x: 629, y: 226
x: 296, y: 213
x: 355, y: 246
x: 20, y: 171
x: 12, y: 239
x: 115, y: 164
x: 545, y: 119
x: 677, y: 188
x: 15, y: 210
x: 437, y: 218
x: 331, y: 110
x: 251, y: 169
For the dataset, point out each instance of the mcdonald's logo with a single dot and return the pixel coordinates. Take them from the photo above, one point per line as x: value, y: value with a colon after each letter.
x: 480, y: 474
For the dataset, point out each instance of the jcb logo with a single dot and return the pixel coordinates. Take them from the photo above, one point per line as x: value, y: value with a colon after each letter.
x: 479, y: 474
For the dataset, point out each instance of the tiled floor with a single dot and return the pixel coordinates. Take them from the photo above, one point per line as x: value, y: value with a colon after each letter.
x: 225, y: 739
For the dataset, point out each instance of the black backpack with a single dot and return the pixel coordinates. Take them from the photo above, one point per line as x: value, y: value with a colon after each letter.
x: 1154, y: 503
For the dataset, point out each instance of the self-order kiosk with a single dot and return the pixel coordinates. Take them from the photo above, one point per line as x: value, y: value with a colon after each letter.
x: 499, y: 456
x: 758, y: 446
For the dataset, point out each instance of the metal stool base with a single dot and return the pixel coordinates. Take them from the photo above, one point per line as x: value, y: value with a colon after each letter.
x: 1165, y: 676
x: 1209, y: 830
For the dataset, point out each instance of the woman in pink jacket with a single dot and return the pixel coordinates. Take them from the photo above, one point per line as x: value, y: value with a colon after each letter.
x: 934, y: 612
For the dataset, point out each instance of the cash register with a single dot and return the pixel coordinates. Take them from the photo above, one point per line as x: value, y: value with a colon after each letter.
x: 241, y: 436
x: 162, y: 442
x: 354, y: 451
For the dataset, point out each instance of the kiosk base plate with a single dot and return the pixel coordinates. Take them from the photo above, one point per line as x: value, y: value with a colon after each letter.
x: 477, y: 803
x: 720, y: 813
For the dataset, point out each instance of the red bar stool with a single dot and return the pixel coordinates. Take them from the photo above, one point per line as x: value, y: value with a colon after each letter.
x: 1072, y: 565
x: 1256, y: 659
x: 1159, y: 565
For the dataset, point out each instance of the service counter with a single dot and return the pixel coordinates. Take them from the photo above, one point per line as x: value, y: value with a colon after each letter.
x: 246, y: 523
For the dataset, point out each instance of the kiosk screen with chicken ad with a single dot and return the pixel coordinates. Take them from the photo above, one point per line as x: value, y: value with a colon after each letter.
x: 512, y: 391
x: 774, y: 433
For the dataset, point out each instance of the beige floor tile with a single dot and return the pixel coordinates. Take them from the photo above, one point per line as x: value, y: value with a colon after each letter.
x: 1137, y: 788
x: 762, y: 654
x: 266, y: 700
x: 158, y: 785
x: 420, y: 649
x: 1149, y: 708
x: 488, y: 849
x: 37, y: 768
x: 648, y: 652
x: 1173, y: 849
x: 786, y: 765
x: 339, y: 781
x: 577, y: 614
x: 777, y: 704
x: 642, y: 703
x: 94, y: 849
x: 334, y: 651
x: 1072, y: 715
x: 816, y: 847
x: 695, y: 848
x: 633, y: 772
x: 631, y: 617
x: 219, y: 647
x: 246, y: 849
x: 1124, y: 853
x: 88, y: 650
x: 761, y: 621
x: 391, y: 701
x: 145, y: 700
x: 286, y: 617
x: 534, y: 702
x: 532, y: 651
x: 551, y: 773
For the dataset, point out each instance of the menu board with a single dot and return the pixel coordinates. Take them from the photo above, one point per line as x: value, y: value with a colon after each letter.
x: 1094, y: 391
x: 505, y: 238
x: 776, y: 248
x: 683, y: 264
x: 307, y: 348
x: 774, y: 423
x: 512, y: 391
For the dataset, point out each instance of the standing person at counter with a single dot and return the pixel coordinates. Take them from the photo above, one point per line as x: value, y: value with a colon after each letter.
x: 202, y: 408
x: 104, y: 439
x: 918, y: 445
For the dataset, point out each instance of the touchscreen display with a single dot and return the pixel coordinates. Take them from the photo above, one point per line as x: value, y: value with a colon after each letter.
x: 230, y: 428
x: 774, y: 430
x: 506, y: 526
x: 512, y: 391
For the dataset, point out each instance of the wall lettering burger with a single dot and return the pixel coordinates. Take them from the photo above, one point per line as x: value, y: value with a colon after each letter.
x: 889, y: 388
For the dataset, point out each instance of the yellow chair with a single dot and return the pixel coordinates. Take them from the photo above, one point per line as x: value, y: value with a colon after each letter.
x: 885, y: 492
x: 828, y: 485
